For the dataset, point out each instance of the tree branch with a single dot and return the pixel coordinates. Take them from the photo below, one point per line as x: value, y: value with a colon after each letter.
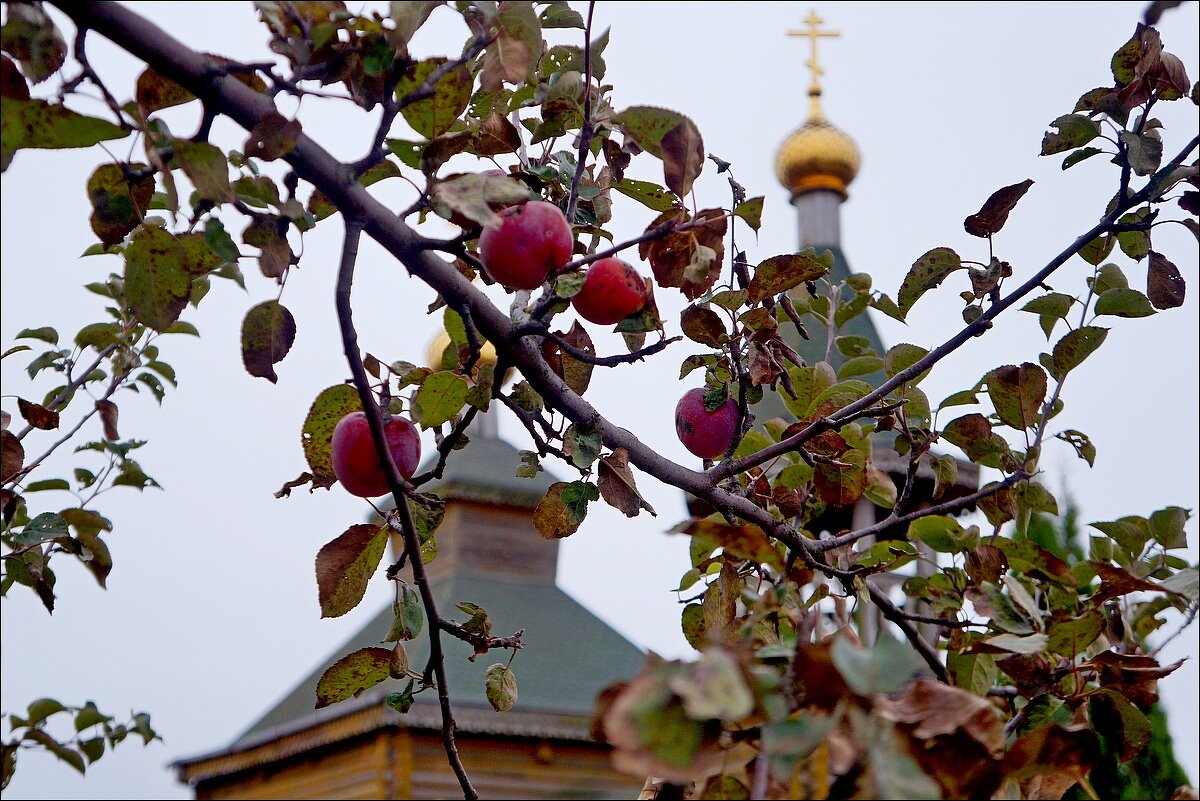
x: 976, y: 328
x: 412, y: 542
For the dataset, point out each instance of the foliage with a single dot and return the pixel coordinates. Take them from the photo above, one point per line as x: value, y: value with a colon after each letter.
x: 1015, y: 664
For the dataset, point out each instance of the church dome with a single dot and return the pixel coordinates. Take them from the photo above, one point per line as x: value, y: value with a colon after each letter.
x: 817, y: 156
x: 437, y: 351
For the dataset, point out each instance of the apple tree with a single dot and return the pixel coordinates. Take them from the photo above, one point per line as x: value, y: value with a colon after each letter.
x: 1027, y: 671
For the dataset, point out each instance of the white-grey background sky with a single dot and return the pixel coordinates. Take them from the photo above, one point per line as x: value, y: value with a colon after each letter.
x: 211, y: 611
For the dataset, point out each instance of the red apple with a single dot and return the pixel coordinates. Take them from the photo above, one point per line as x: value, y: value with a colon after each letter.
x: 612, y: 291
x: 531, y: 242
x: 704, y: 433
x: 355, y: 462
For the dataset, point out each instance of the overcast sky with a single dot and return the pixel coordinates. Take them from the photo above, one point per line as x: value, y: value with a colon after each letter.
x: 211, y: 611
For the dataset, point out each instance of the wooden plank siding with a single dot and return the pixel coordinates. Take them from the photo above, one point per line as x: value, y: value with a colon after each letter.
x: 400, y: 763
x: 512, y: 768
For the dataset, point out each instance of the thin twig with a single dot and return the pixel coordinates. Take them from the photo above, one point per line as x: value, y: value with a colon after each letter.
x: 412, y: 542
x: 585, y: 132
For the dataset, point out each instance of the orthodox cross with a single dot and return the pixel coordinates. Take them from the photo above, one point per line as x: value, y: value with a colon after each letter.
x: 813, y: 33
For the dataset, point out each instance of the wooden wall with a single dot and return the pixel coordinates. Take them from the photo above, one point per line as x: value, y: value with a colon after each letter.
x: 400, y: 763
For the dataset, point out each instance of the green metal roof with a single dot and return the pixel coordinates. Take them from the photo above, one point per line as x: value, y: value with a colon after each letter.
x: 569, y: 655
x: 485, y: 470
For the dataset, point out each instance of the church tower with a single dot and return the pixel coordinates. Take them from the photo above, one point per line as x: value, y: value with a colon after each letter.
x: 489, y: 554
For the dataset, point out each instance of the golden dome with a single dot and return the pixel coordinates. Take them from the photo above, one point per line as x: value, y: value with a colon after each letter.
x: 437, y: 358
x: 817, y: 156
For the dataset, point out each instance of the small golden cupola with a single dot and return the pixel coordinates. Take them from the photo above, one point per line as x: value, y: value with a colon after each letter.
x: 818, y: 155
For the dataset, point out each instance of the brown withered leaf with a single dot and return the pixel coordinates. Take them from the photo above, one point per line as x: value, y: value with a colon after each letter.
x: 719, y: 604
x: 496, y: 136
x: 37, y: 415
x: 991, y: 218
x: 575, y: 373
x: 743, y: 541
x: 273, y: 136
x: 682, y: 156
x: 14, y: 87
x: 12, y: 455
x: 1164, y: 285
x: 816, y: 681
x: 345, y: 565
x: 671, y: 256
x: 154, y: 92
x: 702, y: 324
x: 956, y: 736
x: 985, y: 563
x: 1115, y: 581
x: 1134, y: 676
x: 617, y: 485
x: 935, y: 709
x: 108, y: 418
x: 1053, y: 749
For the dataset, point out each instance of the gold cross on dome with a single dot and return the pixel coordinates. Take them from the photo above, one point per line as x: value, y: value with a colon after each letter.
x: 813, y: 33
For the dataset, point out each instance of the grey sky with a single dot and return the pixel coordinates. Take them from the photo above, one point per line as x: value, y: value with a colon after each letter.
x: 211, y: 611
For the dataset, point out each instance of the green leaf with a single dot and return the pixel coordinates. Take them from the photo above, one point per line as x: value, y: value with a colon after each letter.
x: 409, y: 15
x: 926, y: 273
x: 352, y: 675
x: 1050, y: 308
x: 408, y: 616
x: 900, y: 357
x: 44, y: 334
x: 1080, y: 155
x: 1077, y: 345
x: 1018, y: 394
x: 994, y: 214
x: 1083, y: 446
x: 46, y: 526
x: 327, y: 410
x: 781, y: 273
x: 751, y: 212
x: 48, y: 484
x: 648, y: 125
x: 563, y: 508
x: 943, y: 534
x: 1098, y: 249
x: 1122, y: 725
x: 884, y: 668
x: 267, y: 335
x: 1074, y: 130
x: 1029, y: 644
x: 345, y: 566
x: 88, y: 716
x: 1072, y: 636
x: 1145, y: 151
x: 500, y: 686
x: 31, y: 37
x: 118, y: 204
x: 1135, y: 244
x: 41, y: 709
x: 156, y: 284
x: 440, y: 398
x: 1124, y: 303
x: 1166, y: 526
x: 434, y: 115
x: 648, y: 194
x: 403, y: 700
x: 207, y: 169
x: 975, y: 673
x: 38, y: 124
x: 582, y: 445
x: 860, y: 365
